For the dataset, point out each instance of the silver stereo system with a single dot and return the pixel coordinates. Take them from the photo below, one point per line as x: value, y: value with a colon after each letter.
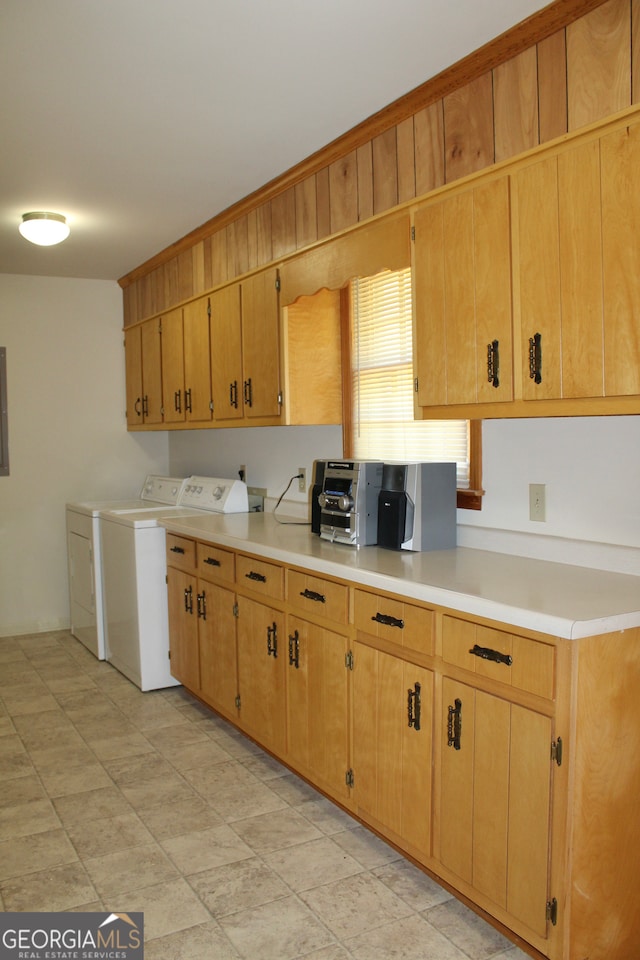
x: 417, y: 506
x: 349, y: 501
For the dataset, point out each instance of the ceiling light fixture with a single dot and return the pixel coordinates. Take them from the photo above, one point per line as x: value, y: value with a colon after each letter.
x: 45, y: 229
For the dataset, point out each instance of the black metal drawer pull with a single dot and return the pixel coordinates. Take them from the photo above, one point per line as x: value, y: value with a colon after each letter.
x: 535, y: 357
x: 202, y: 605
x: 259, y: 577
x: 454, y: 725
x: 413, y: 706
x: 388, y: 620
x: 188, y: 600
x: 486, y: 653
x: 177, y: 549
x: 493, y: 363
x: 212, y: 562
x: 294, y: 649
x: 272, y: 640
x: 312, y: 595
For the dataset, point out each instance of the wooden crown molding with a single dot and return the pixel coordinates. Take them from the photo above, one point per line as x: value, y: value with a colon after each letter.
x: 523, y: 35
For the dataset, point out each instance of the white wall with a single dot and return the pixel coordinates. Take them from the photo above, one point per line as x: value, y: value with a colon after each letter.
x: 67, y: 434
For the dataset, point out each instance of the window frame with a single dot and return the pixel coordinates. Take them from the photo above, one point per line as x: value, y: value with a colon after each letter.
x: 467, y: 499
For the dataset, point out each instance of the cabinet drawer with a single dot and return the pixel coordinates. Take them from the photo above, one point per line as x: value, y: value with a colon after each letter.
x: 261, y: 576
x: 181, y: 553
x: 324, y: 598
x: 216, y: 564
x: 526, y: 664
x: 396, y: 621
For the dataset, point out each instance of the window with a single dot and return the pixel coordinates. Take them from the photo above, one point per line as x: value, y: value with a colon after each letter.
x: 4, y: 430
x: 379, y: 424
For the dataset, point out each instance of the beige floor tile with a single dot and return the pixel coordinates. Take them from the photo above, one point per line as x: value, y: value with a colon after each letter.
x: 95, y: 838
x: 157, y: 790
x: 61, y: 782
x: 183, y: 816
x: 366, y: 848
x: 334, y: 952
x: 69, y: 684
x: 280, y: 930
x: 412, y: 885
x: 201, y: 754
x: 32, y: 703
x: 91, y: 805
x: 40, y: 851
x: 410, y: 938
x: 11, y: 746
x: 238, y: 803
x: 353, y: 905
x: 326, y: 816
x: 167, y: 907
x: 204, y: 849
x: 293, y: 790
x: 238, y: 886
x: 124, y: 871
x: 265, y: 767
x: 42, y: 727
x: 65, y: 753
x: 148, y: 766
x: 313, y: 864
x: 12, y: 767
x: 466, y: 929
x: 58, y: 888
x: 276, y: 830
x: 114, y: 748
x: 7, y: 728
x: 23, y: 819
x: 204, y: 942
x: 21, y: 790
x: 179, y: 734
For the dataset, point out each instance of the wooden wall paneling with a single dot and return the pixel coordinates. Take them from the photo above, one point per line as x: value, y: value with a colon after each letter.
x: 169, y: 286
x: 365, y: 181
x: 199, y: 282
x: 552, y: 86
x: 219, y: 268
x: 406, y: 160
x: 428, y: 131
x: 599, y: 63
x: 468, y: 128
x: 306, y: 212
x: 323, y: 203
x: 283, y: 223
x: 129, y: 304
x: 384, y: 150
x: 635, y: 51
x: 237, y: 247
x: 252, y: 238
x: 185, y: 276
x: 343, y: 192
x: 515, y: 105
x: 263, y: 228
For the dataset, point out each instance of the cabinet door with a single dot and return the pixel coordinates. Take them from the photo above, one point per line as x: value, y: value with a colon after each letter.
x: 261, y: 345
x: 317, y: 704
x: 391, y: 751
x: 226, y: 353
x: 183, y: 628
x: 133, y: 375
x: 151, y: 371
x: 197, y: 371
x: 173, y: 399
x: 495, y: 799
x: 217, y: 632
x: 462, y: 287
x: 262, y: 650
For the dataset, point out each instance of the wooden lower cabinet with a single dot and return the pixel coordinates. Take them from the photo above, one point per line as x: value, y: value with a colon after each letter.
x: 182, y: 591
x: 261, y: 677
x: 392, y: 746
x: 218, y: 654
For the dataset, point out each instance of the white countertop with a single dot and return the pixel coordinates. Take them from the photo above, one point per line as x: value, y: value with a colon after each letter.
x: 554, y: 598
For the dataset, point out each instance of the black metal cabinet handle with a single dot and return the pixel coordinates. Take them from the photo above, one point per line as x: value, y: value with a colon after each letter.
x: 493, y: 363
x: 253, y: 575
x: 388, y: 620
x: 202, y: 605
x: 187, y: 400
x: 486, y: 653
x: 454, y: 725
x: 212, y: 562
x: 312, y: 595
x: 138, y: 406
x: 177, y: 549
x: 233, y: 394
x: 294, y: 650
x: 248, y: 393
x: 272, y: 640
x: 535, y: 357
x: 188, y: 600
x: 177, y: 401
x: 145, y: 405
x: 413, y: 706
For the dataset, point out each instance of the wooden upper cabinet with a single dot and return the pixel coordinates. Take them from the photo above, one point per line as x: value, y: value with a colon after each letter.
x: 261, y: 345
x: 151, y: 371
x: 462, y: 291
x: 133, y: 375
x: 197, y: 370
x: 226, y: 353
x: 173, y: 398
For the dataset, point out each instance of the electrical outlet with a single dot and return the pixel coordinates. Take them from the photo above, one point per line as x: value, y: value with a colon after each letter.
x: 537, y: 502
x: 302, y: 480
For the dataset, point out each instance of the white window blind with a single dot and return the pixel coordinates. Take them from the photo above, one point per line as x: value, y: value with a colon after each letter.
x: 382, y: 381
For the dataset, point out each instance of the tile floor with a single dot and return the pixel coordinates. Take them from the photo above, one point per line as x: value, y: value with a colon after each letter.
x: 111, y: 799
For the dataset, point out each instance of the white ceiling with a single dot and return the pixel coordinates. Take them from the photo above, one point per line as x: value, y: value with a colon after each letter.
x: 142, y: 119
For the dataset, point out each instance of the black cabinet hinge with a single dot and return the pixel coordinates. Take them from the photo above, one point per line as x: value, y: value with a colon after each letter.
x: 413, y: 233
x: 348, y: 660
x: 237, y: 702
x: 552, y: 911
x: 236, y: 610
x: 209, y: 307
x: 556, y: 751
x: 349, y: 778
x: 277, y: 282
x: 415, y: 385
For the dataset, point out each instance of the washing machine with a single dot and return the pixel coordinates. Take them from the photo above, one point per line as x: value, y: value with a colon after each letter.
x: 134, y: 575
x: 84, y: 557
